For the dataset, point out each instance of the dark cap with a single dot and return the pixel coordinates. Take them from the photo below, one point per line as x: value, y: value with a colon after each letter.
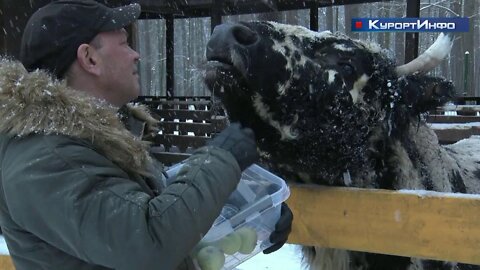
x: 54, y: 32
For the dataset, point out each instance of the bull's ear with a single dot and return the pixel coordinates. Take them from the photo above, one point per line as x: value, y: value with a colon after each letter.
x: 425, y: 93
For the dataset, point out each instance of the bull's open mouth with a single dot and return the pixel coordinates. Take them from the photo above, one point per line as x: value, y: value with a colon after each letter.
x: 222, y: 76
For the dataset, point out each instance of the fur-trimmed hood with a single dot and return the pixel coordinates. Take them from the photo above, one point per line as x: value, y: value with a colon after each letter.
x: 34, y: 103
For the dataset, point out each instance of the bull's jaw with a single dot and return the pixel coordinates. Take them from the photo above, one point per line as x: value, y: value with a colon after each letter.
x: 220, y: 74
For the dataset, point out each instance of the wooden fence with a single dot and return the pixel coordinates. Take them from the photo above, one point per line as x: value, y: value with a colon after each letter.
x: 186, y: 123
x: 433, y: 225
x: 452, y: 123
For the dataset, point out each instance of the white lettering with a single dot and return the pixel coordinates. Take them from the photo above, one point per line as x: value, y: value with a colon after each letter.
x: 421, y: 24
x: 372, y: 24
x: 417, y: 25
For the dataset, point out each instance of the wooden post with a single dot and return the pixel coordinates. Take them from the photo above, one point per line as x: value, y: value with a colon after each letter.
x: 411, y: 39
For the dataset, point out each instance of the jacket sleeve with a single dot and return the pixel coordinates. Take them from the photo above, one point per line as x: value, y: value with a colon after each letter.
x: 75, y: 199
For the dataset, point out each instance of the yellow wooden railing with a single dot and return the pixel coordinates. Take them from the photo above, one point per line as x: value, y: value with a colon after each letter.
x: 441, y: 226
x: 433, y: 225
x: 6, y: 263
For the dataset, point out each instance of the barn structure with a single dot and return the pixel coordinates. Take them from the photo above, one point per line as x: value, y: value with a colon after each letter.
x: 330, y: 203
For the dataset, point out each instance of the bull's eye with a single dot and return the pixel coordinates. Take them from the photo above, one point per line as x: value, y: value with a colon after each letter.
x: 347, y: 69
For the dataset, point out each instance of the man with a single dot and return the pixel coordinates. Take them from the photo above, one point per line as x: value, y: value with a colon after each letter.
x: 78, y: 190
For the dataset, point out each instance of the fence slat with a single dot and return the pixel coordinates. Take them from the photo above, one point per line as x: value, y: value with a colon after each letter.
x: 181, y: 141
x: 390, y: 222
x: 194, y: 115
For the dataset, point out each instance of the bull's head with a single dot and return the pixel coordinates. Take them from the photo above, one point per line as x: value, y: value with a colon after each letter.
x: 315, y: 100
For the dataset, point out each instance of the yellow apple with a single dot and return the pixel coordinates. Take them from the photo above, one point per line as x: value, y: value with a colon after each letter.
x: 210, y: 258
x: 249, y: 239
x: 230, y: 243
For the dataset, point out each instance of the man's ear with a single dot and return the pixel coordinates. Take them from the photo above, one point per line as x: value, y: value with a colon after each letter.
x: 88, y: 59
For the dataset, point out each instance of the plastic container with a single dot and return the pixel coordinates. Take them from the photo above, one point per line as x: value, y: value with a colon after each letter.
x: 245, y: 223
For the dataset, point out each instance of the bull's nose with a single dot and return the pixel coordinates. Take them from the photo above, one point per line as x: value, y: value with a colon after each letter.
x: 225, y: 36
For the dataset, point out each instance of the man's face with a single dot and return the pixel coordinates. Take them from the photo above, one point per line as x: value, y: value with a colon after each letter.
x: 119, y: 67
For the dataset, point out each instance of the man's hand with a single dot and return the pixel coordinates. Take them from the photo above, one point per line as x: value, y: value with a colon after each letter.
x: 240, y: 142
x: 282, y: 229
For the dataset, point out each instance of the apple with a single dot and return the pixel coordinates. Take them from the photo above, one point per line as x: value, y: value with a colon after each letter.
x: 249, y: 239
x: 198, y: 247
x: 230, y: 243
x: 210, y: 258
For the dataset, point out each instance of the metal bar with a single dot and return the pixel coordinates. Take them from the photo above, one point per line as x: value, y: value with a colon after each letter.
x: 314, y: 18
x: 170, y: 64
x: 411, y: 39
x: 216, y: 14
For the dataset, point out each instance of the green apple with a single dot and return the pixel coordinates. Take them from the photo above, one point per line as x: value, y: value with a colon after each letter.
x: 249, y: 239
x: 230, y: 243
x: 198, y: 247
x: 210, y: 258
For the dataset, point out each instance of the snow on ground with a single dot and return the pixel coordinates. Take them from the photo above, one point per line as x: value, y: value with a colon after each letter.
x: 3, y: 246
x: 288, y: 257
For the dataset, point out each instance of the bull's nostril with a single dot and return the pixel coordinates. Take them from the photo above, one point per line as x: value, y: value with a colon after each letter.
x: 243, y: 35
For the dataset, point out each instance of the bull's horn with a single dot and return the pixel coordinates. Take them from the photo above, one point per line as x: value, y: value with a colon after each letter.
x: 430, y: 58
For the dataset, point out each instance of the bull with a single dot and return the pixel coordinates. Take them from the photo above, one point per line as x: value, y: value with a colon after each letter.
x: 330, y: 110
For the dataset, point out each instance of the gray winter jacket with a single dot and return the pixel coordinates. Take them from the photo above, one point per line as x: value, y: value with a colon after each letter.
x: 78, y: 191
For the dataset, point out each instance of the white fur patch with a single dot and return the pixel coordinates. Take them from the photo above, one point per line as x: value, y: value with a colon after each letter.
x: 238, y: 62
x: 347, y: 179
x: 342, y: 47
x: 372, y: 47
x: 356, y: 93
x: 286, y: 131
x: 331, y: 75
x: 330, y: 259
x: 282, y: 88
x: 300, y: 31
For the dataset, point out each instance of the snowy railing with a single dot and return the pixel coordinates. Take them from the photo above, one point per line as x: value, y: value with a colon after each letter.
x: 453, y: 122
x: 433, y: 225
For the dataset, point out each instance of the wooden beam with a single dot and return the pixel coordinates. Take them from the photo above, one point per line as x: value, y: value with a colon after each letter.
x: 6, y: 263
x: 439, y: 226
x: 411, y: 39
x: 452, y: 119
x: 455, y: 134
x: 202, y: 8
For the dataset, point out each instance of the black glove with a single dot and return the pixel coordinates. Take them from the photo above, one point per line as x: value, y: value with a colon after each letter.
x: 282, y: 229
x: 238, y: 141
